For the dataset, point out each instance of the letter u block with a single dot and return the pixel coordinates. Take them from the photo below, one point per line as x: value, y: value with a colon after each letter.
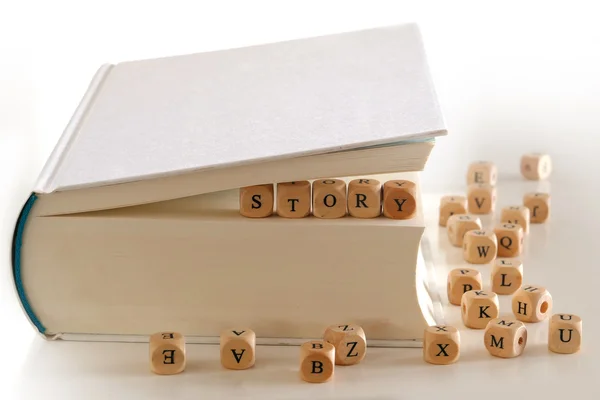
x: 441, y: 345
x: 565, y: 333
x: 167, y: 353
x: 364, y: 198
x: 531, y: 303
x: 257, y: 201
x: 349, y: 341
x: 317, y: 361
x: 460, y: 281
x: 293, y: 199
x: 238, y: 348
x: 478, y: 308
x: 505, y: 337
x: 399, y: 199
x: 329, y: 198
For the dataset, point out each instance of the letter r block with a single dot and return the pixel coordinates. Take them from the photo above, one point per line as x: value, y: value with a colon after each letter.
x: 349, y: 341
x: 237, y: 348
x: 167, y: 353
x: 565, y: 333
x: 293, y: 199
x: 399, y: 199
x: 505, y: 337
x: 364, y: 198
x: 317, y: 361
x: 257, y: 201
x: 329, y: 198
x: 441, y: 345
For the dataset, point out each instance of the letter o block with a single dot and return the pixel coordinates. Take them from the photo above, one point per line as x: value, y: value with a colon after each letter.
x: 531, y: 303
x: 399, y: 199
x: 539, y: 206
x: 506, y: 276
x: 349, y: 341
x: 238, y: 348
x: 481, y: 198
x: 460, y: 281
x: 167, y: 353
x: 505, y: 337
x: 317, y: 361
x: 364, y: 198
x: 293, y: 199
x: 565, y: 333
x: 482, y: 172
x: 257, y: 201
x: 458, y: 225
x: 510, y: 240
x: 516, y: 215
x: 478, y: 308
x: 441, y: 345
x: 536, y: 166
x: 329, y: 198
x: 480, y: 247
x: 450, y: 205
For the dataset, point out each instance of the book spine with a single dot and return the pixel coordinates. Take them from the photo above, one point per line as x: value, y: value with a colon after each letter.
x: 45, y: 181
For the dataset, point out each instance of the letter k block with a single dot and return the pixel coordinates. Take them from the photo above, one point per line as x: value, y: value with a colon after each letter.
x: 441, y: 345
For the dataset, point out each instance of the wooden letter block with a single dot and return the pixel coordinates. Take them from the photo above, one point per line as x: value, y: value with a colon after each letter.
x: 458, y: 225
x: 293, y: 199
x: 480, y: 247
x: 505, y: 337
x: 531, y: 303
x: 349, y: 341
x: 167, y: 353
x: 516, y: 215
x: 329, y: 198
x: 450, y: 205
x: 317, y: 361
x: 510, y: 240
x: 565, y: 333
x: 460, y: 281
x: 507, y: 276
x: 482, y: 172
x: 364, y: 198
x: 257, y: 201
x: 399, y: 199
x: 481, y: 198
x: 539, y: 206
x: 238, y: 348
x: 441, y: 345
x: 478, y: 308
x: 536, y: 166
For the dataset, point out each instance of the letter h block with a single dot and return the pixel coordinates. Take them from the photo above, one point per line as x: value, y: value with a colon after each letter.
x: 238, y: 348
x: 317, y: 361
x: 167, y: 353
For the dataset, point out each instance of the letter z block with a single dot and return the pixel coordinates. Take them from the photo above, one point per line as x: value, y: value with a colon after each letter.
x: 364, y: 198
x: 505, y: 337
x: 441, y: 345
x: 478, y: 308
x: 565, y: 333
x: 349, y: 341
x: 329, y: 198
x: 317, y: 361
x: 531, y: 303
x: 460, y: 281
x: 167, y: 353
x: 257, y: 201
x: 399, y: 199
x: 293, y: 199
x: 238, y: 348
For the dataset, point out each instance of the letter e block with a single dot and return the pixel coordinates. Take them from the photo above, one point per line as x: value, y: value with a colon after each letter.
x: 565, y: 333
x: 539, y: 206
x: 481, y: 198
x: 506, y: 276
x: 505, y: 337
x: 167, y: 353
x: 450, y: 205
x: 458, y: 225
x: 516, y: 215
x: 399, y: 199
x: 293, y: 199
x: 480, y: 247
x: 238, y: 348
x: 460, y: 281
x: 441, y: 345
x: 317, y: 361
x: 510, y: 240
x: 536, y: 166
x: 329, y: 198
x: 531, y: 303
x: 364, y: 198
x: 478, y: 308
x: 257, y: 201
x: 482, y: 172
x: 349, y: 341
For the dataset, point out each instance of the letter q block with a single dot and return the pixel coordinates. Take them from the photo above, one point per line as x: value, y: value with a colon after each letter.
x: 167, y: 353
x: 257, y: 201
x: 317, y: 361
x: 510, y: 240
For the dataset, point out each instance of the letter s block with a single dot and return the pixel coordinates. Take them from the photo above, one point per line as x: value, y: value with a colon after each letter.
x: 441, y: 345
x: 399, y: 199
x: 565, y: 333
x: 531, y: 303
x: 349, y: 341
x: 460, y: 281
x: 505, y: 337
x: 317, y: 361
x: 480, y: 247
x: 238, y: 348
x: 539, y: 206
x: 257, y: 201
x: 167, y: 353
x: 364, y: 198
x: 478, y: 308
x: 293, y: 199
x: 329, y: 198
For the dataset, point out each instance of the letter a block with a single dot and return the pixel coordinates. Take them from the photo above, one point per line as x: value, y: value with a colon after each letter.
x: 539, y: 206
x: 536, y: 166
x: 481, y: 198
x: 399, y: 199
x: 510, y: 240
x: 531, y: 303
x: 329, y: 198
x: 349, y: 341
x: 507, y: 276
x: 257, y: 201
x: 460, y: 281
x: 478, y: 308
x: 565, y: 333
x: 167, y: 353
x: 317, y: 361
x: 458, y: 225
x: 441, y: 345
x: 238, y: 348
x: 505, y: 337
x: 293, y: 199
x: 364, y: 198
x: 480, y: 247
x: 516, y: 215
x: 482, y: 172
x: 450, y: 205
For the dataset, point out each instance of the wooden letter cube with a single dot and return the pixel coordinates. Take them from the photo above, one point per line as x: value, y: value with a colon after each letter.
x: 505, y: 337
x: 364, y: 198
x: 329, y: 198
x: 482, y: 172
x: 516, y: 215
x: 450, y: 205
x: 531, y: 303
x: 565, y: 333
x: 480, y: 247
x: 238, y: 348
x: 481, y: 198
x: 167, y: 353
x: 441, y: 345
x: 460, y: 281
x: 507, y: 276
x: 458, y: 225
x: 399, y: 199
x: 349, y: 341
x: 536, y: 166
x: 293, y: 199
x: 478, y: 308
x: 257, y: 201
x: 510, y: 240
x: 317, y: 361
x: 539, y: 206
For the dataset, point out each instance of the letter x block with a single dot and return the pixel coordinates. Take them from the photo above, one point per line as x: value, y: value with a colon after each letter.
x: 565, y: 333
x: 257, y: 201
x: 167, y: 353
x: 505, y: 337
x: 478, y: 308
x: 329, y: 198
x: 460, y: 281
x: 441, y: 345
x: 399, y: 199
x: 349, y: 341
x: 364, y: 198
x: 238, y: 348
x: 531, y: 303
x: 317, y: 361
x: 293, y: 199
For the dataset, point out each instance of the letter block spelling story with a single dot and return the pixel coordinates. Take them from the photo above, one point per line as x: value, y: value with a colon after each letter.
x: 539, y: 206
x: 364, y: 198
x: 293, y: 199
x: 399, y: 199
x: 167, y: 353
x: 506, y: 276
x: 531, y: 303
x: 317, y: 361
x: 441, y: 345
x: 478, y: 307
x: 505, y: 337
x: 460, y: 281
x: 480, y: 247
x: 349, y: 341
x: 329, y: 198
x: 237, y: 348
x: 450, y: 205
x: 257, y: 201
x: 564, y: 333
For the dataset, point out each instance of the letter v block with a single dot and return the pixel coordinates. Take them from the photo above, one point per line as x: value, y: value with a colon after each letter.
x: 238, y: 348
x: 349, y: 341
x: 317, y: 361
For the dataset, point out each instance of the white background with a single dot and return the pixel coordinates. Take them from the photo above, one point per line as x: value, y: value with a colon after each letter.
x: 512, y: 77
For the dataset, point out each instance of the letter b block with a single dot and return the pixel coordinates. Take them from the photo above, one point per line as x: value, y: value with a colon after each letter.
x: 349, y: 341
x: 293, y: 199
x: 478, y: 308
x: 480, y: 247
x: 167, y: 353
x: 460, y: 281
x: 531, y: 303
x: 329, y: 198
x: 364, y: 198
x: 257, y: 201
x: 441, y: 345
x: 317, y: 361
x: 565, y: 333
x: 505, y: 337
x: 238, y: 348
x: 399, y: 199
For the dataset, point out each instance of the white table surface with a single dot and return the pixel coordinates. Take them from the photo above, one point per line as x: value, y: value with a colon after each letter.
x: 512, y: 79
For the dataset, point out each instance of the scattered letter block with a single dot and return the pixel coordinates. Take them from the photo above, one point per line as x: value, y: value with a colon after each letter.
x: 167, y: 353
x: 317, y: 361
x: 516, y: 215
x: 460, y: 281
x: 510, y: 240
x: 480, y: 247
x: 478, y: 308
x: 458, y: 225
x: 293, y: 199
x: 349, y: 341
x: 257, y: 201
x: 505, y: 337
x: 364, y: 198
x: 531, y: 303
x: 329, y: 198
x: 536, y: 166
x: 441, y: 345
x: 539, y: 206
x: 399, y: 199
x: 565, y: 333
x: 450, y: 205
x: 507, y: 276
x: 482, y: 172
x: 238, y: 348
x: 481, y: 198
